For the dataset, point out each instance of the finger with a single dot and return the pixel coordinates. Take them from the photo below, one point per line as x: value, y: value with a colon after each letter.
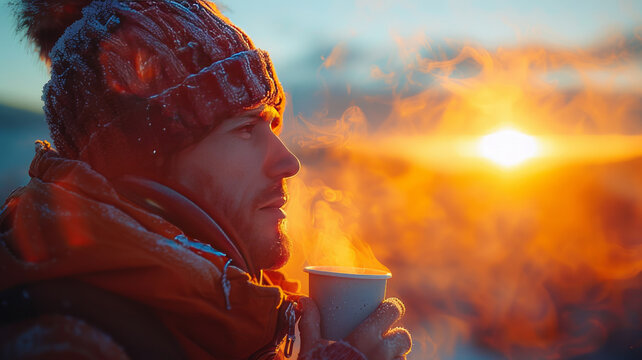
x: 371, y: 330
x: 309, y: 324
x: 395, y: 344
x: 386, y: 314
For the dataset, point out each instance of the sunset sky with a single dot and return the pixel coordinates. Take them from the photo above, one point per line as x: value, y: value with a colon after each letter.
x: 298, y: 33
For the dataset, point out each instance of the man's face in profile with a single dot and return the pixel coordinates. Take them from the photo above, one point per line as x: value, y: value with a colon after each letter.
x: 237, y: 173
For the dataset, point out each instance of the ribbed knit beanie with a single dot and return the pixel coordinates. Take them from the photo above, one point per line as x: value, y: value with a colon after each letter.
x: 133, y: 82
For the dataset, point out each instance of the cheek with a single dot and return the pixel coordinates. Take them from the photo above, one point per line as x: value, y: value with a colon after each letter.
x: 235, y: 194
x: 240, y: 176
x: 223, y: 174
x: 233, y: 190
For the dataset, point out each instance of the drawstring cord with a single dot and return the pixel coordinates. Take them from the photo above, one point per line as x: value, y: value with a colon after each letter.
x: 226, y: 285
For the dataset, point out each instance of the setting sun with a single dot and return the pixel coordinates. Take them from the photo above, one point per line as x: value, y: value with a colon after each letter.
x: 508, y: 147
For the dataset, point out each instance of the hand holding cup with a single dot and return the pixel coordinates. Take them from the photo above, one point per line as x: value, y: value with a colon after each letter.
x: 348, y: 303
x: 375, y: 337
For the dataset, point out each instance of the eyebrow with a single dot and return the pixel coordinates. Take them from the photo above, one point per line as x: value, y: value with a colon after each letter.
x: 266, y: 113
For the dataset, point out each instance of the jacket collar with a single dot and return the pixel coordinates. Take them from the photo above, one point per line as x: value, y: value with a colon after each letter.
x: 183, y: 213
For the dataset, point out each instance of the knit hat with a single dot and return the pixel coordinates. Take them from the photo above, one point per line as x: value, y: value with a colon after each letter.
x: 133, y: 82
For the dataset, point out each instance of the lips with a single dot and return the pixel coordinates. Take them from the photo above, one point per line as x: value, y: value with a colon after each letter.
x: 275, y: 203
x: 274, y: 197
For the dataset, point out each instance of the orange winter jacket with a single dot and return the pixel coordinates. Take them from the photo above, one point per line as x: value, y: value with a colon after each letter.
x: 71, y: 224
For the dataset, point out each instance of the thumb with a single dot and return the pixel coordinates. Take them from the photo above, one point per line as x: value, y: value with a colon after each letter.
x: 309, y: 324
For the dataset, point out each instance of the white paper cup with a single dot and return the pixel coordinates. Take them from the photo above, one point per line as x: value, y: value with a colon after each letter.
x: 345, y: 296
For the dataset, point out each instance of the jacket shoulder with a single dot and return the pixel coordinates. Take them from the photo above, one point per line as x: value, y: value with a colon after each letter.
x: 55, y: 336
x: 80, y: 320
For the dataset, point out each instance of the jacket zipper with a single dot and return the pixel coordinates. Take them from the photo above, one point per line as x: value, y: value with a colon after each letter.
x: 286, y: 327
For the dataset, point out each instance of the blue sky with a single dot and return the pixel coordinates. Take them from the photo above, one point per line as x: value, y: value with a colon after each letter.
x: 293, y: 30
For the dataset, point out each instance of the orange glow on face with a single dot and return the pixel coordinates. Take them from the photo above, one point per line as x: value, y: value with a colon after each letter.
x: 542, y: 261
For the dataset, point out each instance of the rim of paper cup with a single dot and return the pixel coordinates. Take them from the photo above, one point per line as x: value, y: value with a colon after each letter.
x: 348, y: 272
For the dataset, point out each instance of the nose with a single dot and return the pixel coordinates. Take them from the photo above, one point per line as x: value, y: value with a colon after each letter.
x: 281, y: 163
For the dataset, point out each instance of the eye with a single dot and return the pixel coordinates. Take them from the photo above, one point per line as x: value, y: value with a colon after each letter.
x: 245, y: 131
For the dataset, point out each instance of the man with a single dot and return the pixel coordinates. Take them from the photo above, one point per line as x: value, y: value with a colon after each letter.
x: 153, y: 230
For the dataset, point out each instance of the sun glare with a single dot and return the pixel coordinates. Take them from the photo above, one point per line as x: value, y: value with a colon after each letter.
x: 508, y: 147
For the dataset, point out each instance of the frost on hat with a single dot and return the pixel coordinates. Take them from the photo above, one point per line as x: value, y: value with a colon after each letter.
x: 134, y: 81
